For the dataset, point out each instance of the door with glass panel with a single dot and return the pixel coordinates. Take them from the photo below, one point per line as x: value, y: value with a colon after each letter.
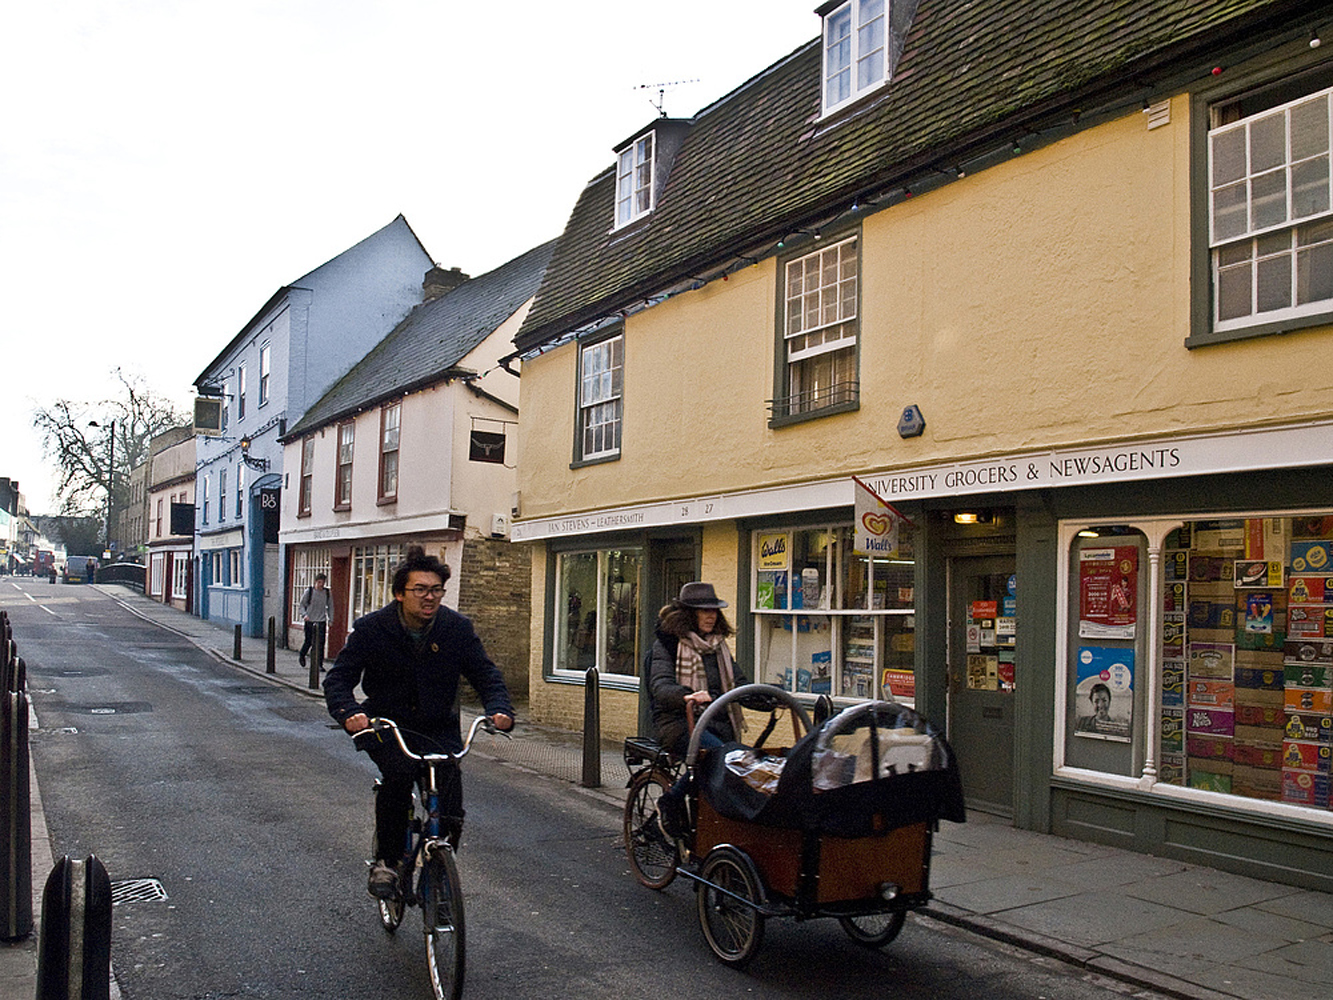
x: 982, y: 678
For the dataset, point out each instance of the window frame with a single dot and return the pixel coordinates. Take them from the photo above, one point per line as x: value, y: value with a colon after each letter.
x: 614, y: 343
x: 222, y: 495
x: 855, y: 58
x: 390, y: 452
x: 1147, y: 771
x: 1311, y: 72
x: 845, y: 395
x: 240, y: 491
x: 204, y: 519
x: 265, y: 369
x: 342, y: 489
x: 306, y: 482
x: 601, y: 639
x: 240, y: 392
x: 857, y: 633
x: 636, y: 179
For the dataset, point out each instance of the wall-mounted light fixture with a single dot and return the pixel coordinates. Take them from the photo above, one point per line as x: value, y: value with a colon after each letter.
x: 973, y: 517
x: 255, y: 463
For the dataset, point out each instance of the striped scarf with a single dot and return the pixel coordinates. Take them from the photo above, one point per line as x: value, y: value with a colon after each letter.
x: 691, y: 673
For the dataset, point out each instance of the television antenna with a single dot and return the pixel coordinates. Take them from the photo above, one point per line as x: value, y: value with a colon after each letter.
x: 661, y: 89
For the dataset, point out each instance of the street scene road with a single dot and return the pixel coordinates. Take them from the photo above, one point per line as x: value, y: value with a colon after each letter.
x: 235, y: 798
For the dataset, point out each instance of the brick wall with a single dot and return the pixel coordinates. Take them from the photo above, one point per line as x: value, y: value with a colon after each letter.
x: 494, y: 590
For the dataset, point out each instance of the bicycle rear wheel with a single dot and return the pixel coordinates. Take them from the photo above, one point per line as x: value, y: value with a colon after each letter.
x: 442, y: 909
x: 651, y: 855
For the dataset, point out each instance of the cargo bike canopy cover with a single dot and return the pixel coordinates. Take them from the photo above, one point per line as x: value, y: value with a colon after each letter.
x: 871, y: 768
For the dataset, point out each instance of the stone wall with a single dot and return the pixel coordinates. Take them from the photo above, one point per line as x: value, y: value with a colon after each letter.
x: 494, y: 590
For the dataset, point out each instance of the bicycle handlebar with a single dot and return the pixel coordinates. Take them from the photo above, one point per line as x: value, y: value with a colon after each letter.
x: 381, y: 725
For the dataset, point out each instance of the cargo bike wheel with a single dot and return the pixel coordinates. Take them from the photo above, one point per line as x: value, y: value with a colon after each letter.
x: 652, y: 856
x: 730, y: 894
x: 874, y: 930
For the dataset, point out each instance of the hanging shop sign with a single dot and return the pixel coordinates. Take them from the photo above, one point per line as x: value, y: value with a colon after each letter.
x: 876, y: 523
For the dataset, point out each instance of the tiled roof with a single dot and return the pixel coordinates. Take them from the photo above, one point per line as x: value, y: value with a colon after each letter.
x: 432, y: 339
x: 757, y: 164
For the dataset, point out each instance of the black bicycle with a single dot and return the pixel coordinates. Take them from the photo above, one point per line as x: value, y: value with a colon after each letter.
x: 428, y: 876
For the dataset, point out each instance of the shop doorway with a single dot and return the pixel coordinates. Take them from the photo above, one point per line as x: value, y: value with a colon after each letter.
x: 672, y: 563
x: 982, y: 680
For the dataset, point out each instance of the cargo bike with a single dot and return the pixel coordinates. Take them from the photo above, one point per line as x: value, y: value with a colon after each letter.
x: 838, y: 824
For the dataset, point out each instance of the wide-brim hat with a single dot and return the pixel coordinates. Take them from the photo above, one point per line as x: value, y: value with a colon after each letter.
x: 700, y: 595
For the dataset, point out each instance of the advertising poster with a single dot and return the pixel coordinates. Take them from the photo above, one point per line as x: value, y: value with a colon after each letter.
x: 1108, y: 592
x: 1104, y: 694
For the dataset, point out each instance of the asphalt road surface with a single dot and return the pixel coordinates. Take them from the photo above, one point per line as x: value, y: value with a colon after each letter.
x: 236, y: 823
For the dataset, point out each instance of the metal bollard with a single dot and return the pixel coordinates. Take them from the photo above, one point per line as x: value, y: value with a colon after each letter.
x: 74, y: 946
x: 317, y: 654
x: 236, y: 643
x: 592, y: 730
x: 15, y: 821
x: 271, y: 663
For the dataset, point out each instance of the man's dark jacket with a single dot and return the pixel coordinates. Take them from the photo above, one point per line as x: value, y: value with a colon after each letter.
x: 419, y: 691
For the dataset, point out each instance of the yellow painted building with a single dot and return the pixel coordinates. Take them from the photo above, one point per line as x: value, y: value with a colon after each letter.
x: 1066, y: 313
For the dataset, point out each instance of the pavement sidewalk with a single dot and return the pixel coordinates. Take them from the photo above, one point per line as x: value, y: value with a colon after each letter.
x: 1179, y: 929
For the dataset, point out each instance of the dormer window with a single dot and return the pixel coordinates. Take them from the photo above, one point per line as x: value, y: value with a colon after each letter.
x: 856, y: 50
x: 634, y: 181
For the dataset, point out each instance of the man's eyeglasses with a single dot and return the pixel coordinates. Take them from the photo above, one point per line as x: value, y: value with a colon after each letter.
x: 421, y: 591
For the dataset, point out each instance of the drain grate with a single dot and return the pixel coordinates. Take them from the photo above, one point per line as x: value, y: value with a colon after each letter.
x: 137, y: 890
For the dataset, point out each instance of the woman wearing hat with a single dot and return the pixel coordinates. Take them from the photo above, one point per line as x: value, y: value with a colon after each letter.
x: 691, y: 664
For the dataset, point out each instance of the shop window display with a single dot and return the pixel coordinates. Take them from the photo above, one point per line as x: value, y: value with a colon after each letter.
x: 597, y: 620
x: 830, y: 621
x: 1230, y: 690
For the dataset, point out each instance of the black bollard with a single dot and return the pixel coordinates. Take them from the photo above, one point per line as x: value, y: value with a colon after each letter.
x: 15, y: 820
x: 236, y: 644
x: 74, y: 946
x: 592, y: 730
x: 317, y: 654
x: 271, y: 663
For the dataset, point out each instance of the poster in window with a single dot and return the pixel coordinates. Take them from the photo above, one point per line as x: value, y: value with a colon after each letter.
x: 1108, y: 592
x: 1104, y: 693
x: 983, y: 673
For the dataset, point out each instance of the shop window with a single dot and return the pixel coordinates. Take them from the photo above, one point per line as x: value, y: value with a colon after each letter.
x: 830, y: 621
x: 307, y: 563
x: 597, y: 611
x: 1199, y: 657
x: 372, y: 568
x: 180, y: 569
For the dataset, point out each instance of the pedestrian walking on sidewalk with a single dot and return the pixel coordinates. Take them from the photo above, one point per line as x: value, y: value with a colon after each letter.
x: 315, y: 611
x: 408, y: 658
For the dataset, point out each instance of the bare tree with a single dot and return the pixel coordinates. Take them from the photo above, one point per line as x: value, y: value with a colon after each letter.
x: 84, y: 439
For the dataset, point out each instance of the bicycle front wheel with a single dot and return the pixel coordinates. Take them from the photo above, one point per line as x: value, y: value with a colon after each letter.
x: 442, y: 908
x: 652, y: 857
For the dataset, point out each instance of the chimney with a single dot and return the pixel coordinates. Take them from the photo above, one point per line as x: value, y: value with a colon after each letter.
x: 438, y: 281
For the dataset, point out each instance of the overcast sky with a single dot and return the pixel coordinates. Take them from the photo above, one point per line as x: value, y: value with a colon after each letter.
x: 166, y: 165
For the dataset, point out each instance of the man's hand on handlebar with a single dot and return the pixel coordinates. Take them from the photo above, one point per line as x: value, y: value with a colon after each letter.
x: 359, y: 722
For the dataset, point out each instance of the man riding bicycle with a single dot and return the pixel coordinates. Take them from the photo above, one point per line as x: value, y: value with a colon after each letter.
x: 408, y: 658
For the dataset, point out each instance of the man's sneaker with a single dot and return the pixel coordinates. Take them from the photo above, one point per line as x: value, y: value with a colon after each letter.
x: 383, y: 881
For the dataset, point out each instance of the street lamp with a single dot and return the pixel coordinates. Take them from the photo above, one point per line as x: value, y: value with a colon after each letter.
x: 111, y: 478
